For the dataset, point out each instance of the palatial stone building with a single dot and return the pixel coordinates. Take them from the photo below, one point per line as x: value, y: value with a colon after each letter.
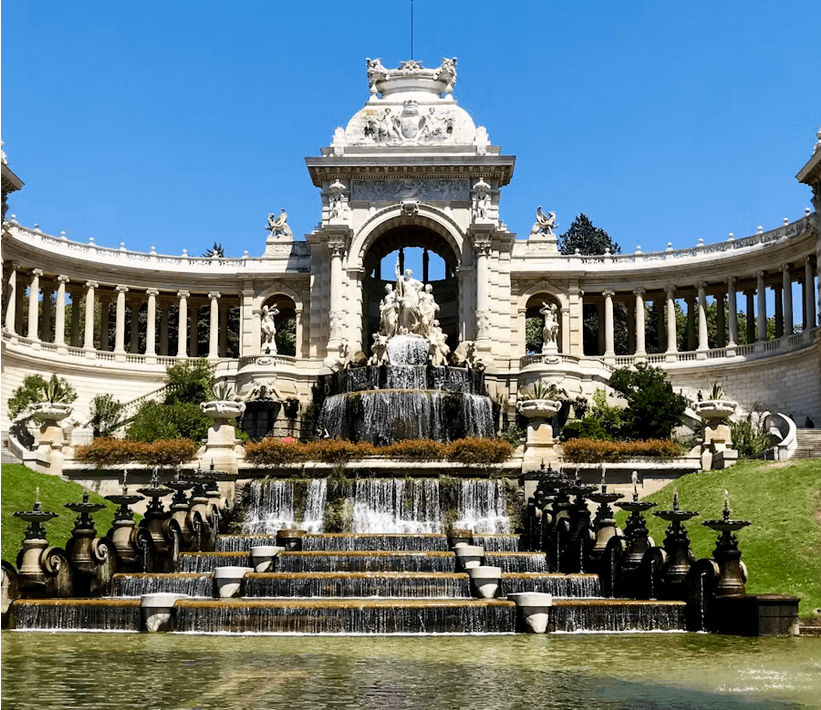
x: 412, y: 169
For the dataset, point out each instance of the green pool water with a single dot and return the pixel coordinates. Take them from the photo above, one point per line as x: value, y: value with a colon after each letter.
x: 175, y: 671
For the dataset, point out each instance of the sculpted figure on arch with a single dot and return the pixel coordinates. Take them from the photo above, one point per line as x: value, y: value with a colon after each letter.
x: 407, y: 292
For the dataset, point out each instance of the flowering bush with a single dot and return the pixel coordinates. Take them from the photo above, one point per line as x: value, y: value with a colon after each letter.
x: 594, y: 451
x: 474, y: 450
x: 274, y: 452
x: 111, y: 452
x: 415, y: 450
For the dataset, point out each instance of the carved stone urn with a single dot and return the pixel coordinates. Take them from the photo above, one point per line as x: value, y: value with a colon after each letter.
x: 222, y: 449
x: 716, y: 448
x: 52, y: 438
x: 540, y: 442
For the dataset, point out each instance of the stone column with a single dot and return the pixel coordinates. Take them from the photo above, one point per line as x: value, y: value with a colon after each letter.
x: 778, y: 311
x: 786, y: 286
x: 721, y: 329
x: 337, y: 314
x: 194, y: 330
x: 631, y: 329
x: 600, y: 329
x: 224, y: 308
x: 482, y: 312
x: 809, y: 294
x: 762, y: 306
x: 19, y: 327
x: 119, y: 324
x: 88, y: 339
x: 750, y: 316
x: 609, y: 342
x: 105, y: 305
x: 34, y: 300
x: 182, y: 323
x: 565, y: 329
x: 213, y: 329
x: 703, y: 343
x: 75, y: 319
x: 151, y: 323
x: 48, y: 313
x: 732, y: 314
x: 11, y: 305
x: 164, y: 306
x: 672, y: 346
x: 691, y: 322
x: 659, y: 306
x: 60, y: 316
x: 641, y: 351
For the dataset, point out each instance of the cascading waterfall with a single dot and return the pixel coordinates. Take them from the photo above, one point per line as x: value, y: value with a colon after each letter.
x: 270, y: 506
x: 483, y: 506
x: 397, y: 506
x: 360, y: 585
x: 311, y: 562
x: 497, y: 543
x: 622, y: 615
x: 135, y: 585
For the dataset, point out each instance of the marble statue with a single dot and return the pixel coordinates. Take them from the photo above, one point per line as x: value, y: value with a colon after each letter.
x: 447, y: 73
x: 389, y: 313
x: 407, y: 292
x: 380, y: 350
x: 481, y: 200
x: 550, y: 332
x: 268, y: 329
x: 439, y: 348
x: 427, y: 311
x: 278, y: 226
x: 376, y: 72
x: 336, y: 200
x: 544, y: 223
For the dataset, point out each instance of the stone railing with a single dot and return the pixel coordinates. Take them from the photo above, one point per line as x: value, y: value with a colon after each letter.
x: 92, y: 251
x: 267, y: 360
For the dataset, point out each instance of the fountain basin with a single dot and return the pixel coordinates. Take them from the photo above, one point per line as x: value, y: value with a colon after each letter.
x: 158, y: 611
x: 228, y: 580
x: 486, y: 580
x: 468, y: 556
x: 262, y: 557
x: 535, y: 609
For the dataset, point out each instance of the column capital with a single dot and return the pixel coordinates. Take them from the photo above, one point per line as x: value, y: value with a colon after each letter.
x: 808, y: 259
x: 759, y: 274
x: 121, y: 289
x: 608, y: 294
x: 152, y: 292
x: 669, y: 289
x: 213, y: 295
x: 482, y: 247
x: 730, y: 280
x: 640, y: 291
x: 785, y: 267
x: 63, y: 279
x: 15, y: 265
x: 183, y: 294
x: 92, y: 284
x: 37, y: 272
x: 336, y: 249
x: 701, y: 285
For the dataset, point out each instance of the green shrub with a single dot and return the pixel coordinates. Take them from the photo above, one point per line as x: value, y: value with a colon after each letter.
x: 749, y: 438
x: 475, y: 450
x: 274, y: 452
x: 112, y: 452
x: 36, y: 388
x: 414, y: 450
x: 106, y: 415
x: 155, y: 420
x: 653, y: 409
x: 190, y: 381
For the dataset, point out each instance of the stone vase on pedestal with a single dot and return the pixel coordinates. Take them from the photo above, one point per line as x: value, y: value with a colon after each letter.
x: 51, y: 440
x: 540, y: 444
x: 222, y: 448
x: 716, y: 448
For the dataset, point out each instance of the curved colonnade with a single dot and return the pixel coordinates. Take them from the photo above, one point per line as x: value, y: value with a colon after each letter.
x: 771, y: 275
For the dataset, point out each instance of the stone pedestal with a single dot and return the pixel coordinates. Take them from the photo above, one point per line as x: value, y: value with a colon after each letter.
x: 222, y: 451
x: 51, y: 441
x: 540, y: 446
x: 716, y: 447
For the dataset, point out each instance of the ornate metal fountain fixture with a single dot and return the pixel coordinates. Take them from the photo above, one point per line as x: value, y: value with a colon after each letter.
x: 556, y: 529
x: 123, y: 532
x: 201, y: 518
x: 604, y: 524
x: 619, y: 568
x: 156, y: 518
x: 43, y: 571
x: 576, y: 554
x: 667, y: 569
x: 91, y: 556
x: 179, y: 530
x: 732, y: 571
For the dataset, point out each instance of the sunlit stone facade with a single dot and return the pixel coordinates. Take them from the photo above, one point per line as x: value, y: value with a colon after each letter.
x: 412, y: 169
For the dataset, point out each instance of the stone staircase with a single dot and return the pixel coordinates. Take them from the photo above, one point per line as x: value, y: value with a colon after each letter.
x: 808, y: 444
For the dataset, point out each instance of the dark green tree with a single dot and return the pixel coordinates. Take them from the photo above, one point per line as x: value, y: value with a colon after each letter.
x: 589, y: 240
x: 534, y: 335
x: 106, y: 414
x: 653, y: 409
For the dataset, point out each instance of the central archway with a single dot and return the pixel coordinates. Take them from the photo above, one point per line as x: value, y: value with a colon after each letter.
x: 433, y: 261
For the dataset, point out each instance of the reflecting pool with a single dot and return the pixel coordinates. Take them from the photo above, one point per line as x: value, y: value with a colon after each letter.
x: 175, y: 671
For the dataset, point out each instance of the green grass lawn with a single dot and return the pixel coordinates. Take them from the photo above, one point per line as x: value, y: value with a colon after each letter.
x: 18, y: 489
x: 782, y: 547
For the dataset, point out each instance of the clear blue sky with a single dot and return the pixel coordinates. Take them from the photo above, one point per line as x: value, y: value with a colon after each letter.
x: 181, y: 123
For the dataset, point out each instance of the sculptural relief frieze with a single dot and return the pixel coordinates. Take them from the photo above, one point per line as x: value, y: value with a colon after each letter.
x: 409, y: 126
x: 444, y: 190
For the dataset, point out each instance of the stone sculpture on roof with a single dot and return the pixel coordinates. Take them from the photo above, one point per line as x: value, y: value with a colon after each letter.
x: 278, y: 226
x: 544, y: 223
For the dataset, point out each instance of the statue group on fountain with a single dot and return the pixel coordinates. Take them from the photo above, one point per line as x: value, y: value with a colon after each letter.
x: 409, y: 309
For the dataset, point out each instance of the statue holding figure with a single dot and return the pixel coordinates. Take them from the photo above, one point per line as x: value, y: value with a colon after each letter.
x: 268, y: 329
x: 407, y: 291
x: 336, y: 201
x: 544, y: 223
x: 278, y: 226
x: 427, y: 311
x: 388, y: 313
x: 481, y: 200
x: 439, y: 348
x: 550, y: 332
x: 376, y: 72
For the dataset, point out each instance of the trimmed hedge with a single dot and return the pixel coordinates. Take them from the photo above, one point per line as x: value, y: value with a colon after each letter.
x: 112, y: 452
x: 595, y: 451
x: 274, y: 452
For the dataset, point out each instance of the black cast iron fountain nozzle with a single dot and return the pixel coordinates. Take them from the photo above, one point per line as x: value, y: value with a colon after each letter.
x: 732, y: 573
x: 35, y: 518
x: 124, y: 500
x: 84, y: 510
